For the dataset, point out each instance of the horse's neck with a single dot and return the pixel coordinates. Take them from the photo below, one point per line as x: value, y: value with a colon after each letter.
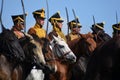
x: 73, y: 42
x: 50, y: 35
x: 26, y: 67
x: 75, y: 47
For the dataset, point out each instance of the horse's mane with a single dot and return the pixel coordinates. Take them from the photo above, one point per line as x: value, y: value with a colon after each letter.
x: 73, y: 42
x: 84, y: 40
x: 10, y: 46
x: 43, y: 41
x: 51, y: 35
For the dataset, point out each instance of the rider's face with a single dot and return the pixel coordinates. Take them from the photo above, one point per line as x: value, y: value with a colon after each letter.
x: 41, y: 21
x: 60, y: 24
x: 20, y: 26
x: 76, y: 30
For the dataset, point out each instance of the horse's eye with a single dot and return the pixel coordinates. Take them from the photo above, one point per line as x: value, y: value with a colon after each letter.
x: 33, y: 45
x: 54, y: 42
x: 44, y: 50
x: 61, y: 46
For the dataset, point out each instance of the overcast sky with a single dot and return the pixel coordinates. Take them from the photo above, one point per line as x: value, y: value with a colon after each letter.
x: 103, y: 10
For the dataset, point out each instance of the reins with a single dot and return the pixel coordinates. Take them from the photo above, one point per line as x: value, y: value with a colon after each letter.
x: 63, y: 54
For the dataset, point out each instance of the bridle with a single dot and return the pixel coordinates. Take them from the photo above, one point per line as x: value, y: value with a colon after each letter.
x: 63, y: 54
x: 30, y: 53
x: 52, y: 58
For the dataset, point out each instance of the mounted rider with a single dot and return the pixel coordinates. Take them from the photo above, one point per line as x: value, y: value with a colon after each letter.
x: 116, y: 29
x: 75, y: 33
x: 75, y: 30
x: 37, y: 29
x: 99, y: 34
x: 18, y: 26
x: 56, y: 21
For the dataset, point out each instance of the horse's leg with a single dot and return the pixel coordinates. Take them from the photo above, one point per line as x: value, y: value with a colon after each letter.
x: 63, y: 69
x: 5, y: 70
x: 4, y: 76
x: 17, y: 73
x: 63, y: 76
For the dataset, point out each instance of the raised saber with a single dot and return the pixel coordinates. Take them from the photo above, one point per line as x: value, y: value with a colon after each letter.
x: 117, y: 21
x: 94, y: 24
x: 2, y: 26
x: 116, y: 18
x: 47, y: 17
x: 67, y: 20
x: 94, y: 20
x: 75, y: 17
x: 24, y: 15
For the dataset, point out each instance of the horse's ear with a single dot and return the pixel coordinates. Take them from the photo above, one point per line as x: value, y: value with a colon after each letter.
x: 55, y: 38
x: 29, y: 36
x: 59, y: 37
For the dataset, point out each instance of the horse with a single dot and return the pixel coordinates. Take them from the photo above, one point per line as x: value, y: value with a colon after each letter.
x: 48, y: 55
x: 13, y: 56
x: 49, y: 58
x: 53, y: 58
x: 82, y: 48
x: 104, y: 63
x: 64, y: 57
x: 34, y: 58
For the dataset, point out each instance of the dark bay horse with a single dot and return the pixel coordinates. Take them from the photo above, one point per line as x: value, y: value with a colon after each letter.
x: 11, y: 55
x: 100, y: 37
x: 14, y: 57
x: 82, y: 48
x: 105, y: 62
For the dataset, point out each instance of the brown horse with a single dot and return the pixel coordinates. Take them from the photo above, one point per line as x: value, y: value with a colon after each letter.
x: 82, y: 48
x: 49, y: 58
x: 12, y: 58
x: 105, y: 62
x: 48, y: 54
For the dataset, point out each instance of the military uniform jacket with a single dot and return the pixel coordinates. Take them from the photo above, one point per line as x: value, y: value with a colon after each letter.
x: 37, y: 30
x: 57, y: 32
x: 72, y: 36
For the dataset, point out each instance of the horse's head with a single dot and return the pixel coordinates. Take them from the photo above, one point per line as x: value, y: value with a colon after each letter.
x: 33, y: 50
x: 89, y: 43
x: 61, y: 50
x: 48, y: 54
x: 82, y: 46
